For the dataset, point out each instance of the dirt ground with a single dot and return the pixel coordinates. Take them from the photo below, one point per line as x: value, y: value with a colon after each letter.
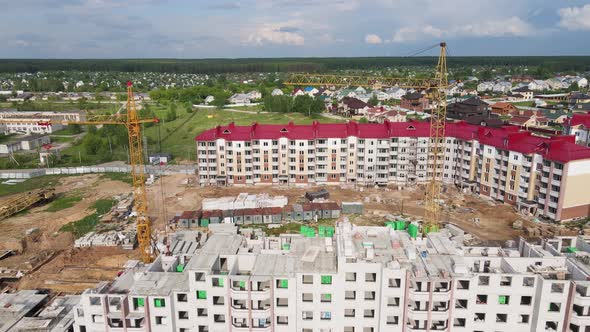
x: 72, y: 270
x: 495, y: 219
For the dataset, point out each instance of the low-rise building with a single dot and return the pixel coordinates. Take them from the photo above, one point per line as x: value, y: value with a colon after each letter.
x: 415, y: 101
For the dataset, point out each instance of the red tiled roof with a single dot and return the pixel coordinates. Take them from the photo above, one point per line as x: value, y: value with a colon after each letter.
x: 581, y: 119
x: 507, y: 137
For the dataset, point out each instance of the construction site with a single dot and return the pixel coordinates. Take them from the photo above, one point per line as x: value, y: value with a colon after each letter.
x: 81, y: 232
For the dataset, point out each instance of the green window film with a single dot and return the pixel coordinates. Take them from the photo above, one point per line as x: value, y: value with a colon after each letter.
x: 327, y: 280
x: 284, y: 283
x: 201, y: 295
x: 139, y: 302
x: 502, y: 299
x: 159, y: 303
x: 242, y: 284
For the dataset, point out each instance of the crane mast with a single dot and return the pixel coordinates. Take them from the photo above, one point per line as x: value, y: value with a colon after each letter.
x: 437, y: 87
x: 138, y: 175
x: 133, y: 123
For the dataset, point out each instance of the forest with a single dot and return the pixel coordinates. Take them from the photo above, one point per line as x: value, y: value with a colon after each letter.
x: 218, y: 66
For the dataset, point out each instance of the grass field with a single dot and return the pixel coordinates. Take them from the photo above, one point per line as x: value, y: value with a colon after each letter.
x: 64, y: 202
x: 35, y: 183
x: 177, y: 137
x: 88, y: 223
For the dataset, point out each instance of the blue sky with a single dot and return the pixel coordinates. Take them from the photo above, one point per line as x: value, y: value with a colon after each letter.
x: 272, y: 28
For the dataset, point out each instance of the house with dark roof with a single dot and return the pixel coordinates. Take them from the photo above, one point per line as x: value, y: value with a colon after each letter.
x: 350, y: 106
x: 414, y: 101
x: 464, y: 109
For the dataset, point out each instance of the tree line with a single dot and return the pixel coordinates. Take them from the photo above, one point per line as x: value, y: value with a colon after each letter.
x: 217, y: 66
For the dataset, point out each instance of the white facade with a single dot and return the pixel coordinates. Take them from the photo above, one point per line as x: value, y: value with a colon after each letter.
x: 363, y: 279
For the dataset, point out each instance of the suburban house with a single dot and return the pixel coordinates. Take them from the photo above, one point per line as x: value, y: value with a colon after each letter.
x: 414, y: 101
x: 381, y: 114
x: 297, y: 92
x: 556, y: 115
x: 209, y: 99
x: 352, y: 106
x: 579, y: 125
x: 502, y: 87
x: 581, y: 81
x: 579, y: 98
x: 528, y: 118
x: 473, y: 106
x: 485, y: 86
x: 538, y: 85
x: 254, y: 95
x: 524, y: 91
x: 276, y: 92
x: 557, y: 83
x: 492, y: 120
x: 395, y: 93
x: 239, y: 98
x: 311, y: 91
x: 503, y: 108
x: 582, y: 107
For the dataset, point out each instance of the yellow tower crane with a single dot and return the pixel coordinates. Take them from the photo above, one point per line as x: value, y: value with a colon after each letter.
x: 436, y: 87
x: 133, y: 123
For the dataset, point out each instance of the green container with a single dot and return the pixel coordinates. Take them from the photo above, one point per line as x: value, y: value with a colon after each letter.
x: 413, y: 230
x: 572, y: 249
x: 390, y: 224
x: 310, y: 232
x: 205, y: 222
x: 243, y: 284
x: 400, y: 225
x: 179, y: 268
x: 303, y: 229
x: 286, y: 246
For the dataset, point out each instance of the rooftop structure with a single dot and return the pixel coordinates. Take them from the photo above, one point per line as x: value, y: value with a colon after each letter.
x: 362, y: 279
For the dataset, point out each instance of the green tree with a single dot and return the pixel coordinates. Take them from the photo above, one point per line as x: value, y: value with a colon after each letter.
x: 363, y: 120
x: 373, y: 101
x: 573, y: 87
x: 171, y: 115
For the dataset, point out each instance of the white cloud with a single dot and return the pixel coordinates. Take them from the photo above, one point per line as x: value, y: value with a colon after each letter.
x: 575, y: 18
x: 272, y: 34
x: 512, y: 26
x: 373, y: 39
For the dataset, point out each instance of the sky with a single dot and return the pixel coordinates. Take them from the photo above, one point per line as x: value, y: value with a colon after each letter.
x: 290, y: 28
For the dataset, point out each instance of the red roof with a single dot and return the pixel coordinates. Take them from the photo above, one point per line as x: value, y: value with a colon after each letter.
x: 507, y: 137
x: 581, y: 119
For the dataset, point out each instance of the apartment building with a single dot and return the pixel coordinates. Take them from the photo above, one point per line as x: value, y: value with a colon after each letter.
x: 364, y: 279
x: 542, y: 176
x: 35, y: 122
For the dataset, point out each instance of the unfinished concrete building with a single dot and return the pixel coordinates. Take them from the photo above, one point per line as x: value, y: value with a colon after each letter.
x: 363, y: 279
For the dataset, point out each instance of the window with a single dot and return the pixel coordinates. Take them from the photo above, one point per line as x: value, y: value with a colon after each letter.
x: 349, y: 295
x: 526, y: 300
x: 308, y: 279
x: 370, y: 277
x: 524, y: 319
x: 220, y: 318
x: 481, y: 299
x: 528, y: 281
x: 282, y: 320
x: 202, y: 312
x: 307, y: 315
x: 326, y: 280
x: 554, y: 307
x: 501, y: 318
x: 350, y: 276
x: 282, y: 302
x: 459, y: 322
x: 506, y: 281
x: 325, y: 315
x: 484, y: 280
x: 394, y: 282
x: 369, y: 313
x: 160, y: 320
x: 393, y: 301
x: 218, y: 300
x: 282, y: 283
x: 201, y: 295
x: 307, y: 297
x: 503, y: 299
x: 326, y: 298
x: 183, y: 315
x: 182, y: 297
x: 217, y: 282
x: 370, y: 296
x: 159, y: 303
x: 461, y: 304
x: 556, y: 288
x: 138, y: 302
x: 463, y: 284
x: 479, y: 317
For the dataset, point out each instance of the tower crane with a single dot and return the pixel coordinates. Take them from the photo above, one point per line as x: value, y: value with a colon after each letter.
x: 133, y: 123
x: 436, y: 87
